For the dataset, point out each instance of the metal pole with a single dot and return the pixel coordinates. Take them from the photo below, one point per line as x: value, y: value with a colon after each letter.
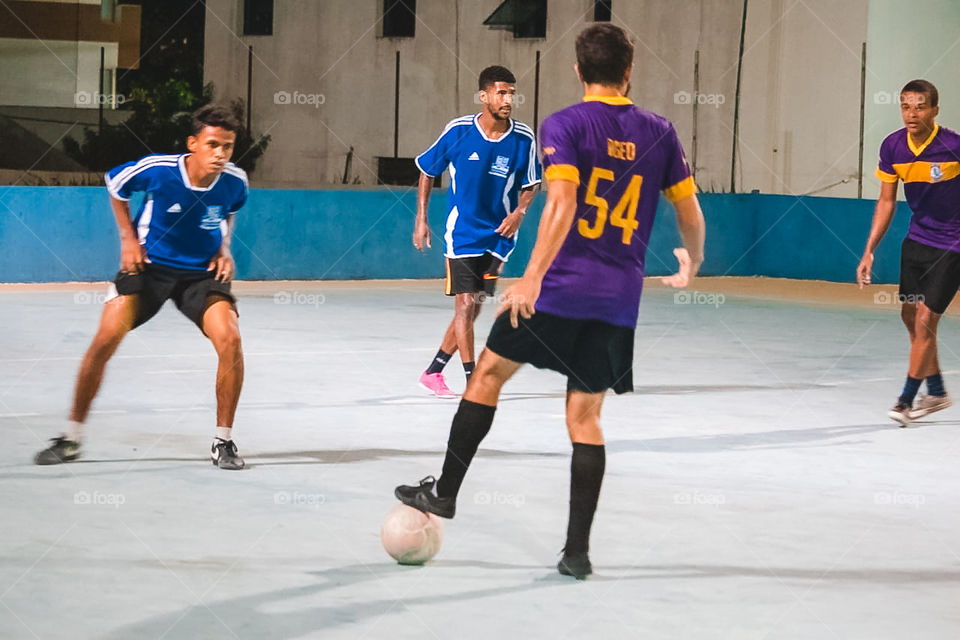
x: 536, y: 95
x: 863, y: 97
x: 249, y: 85
x: 396, y: 109
x: 736, y: 103
x: 696, y: 93
x: 100, y: 95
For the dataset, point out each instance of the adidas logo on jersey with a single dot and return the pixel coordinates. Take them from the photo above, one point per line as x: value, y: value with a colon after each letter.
x: 473, y: 156
x: 174, y: 209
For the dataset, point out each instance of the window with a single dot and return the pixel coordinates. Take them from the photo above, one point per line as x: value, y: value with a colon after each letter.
x: 526, y: 18
x: 399, y: 18
x: 602, y: 10
x: 258, y: 17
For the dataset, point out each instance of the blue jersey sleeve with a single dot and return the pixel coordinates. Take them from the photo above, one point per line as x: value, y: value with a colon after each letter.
x: 242, y: 189
x: 435, y: 159
x: 532, y: 173
x: 127, y: 179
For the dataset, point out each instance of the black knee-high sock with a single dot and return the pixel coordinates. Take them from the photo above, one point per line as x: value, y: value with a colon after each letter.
x: 586, y: 476
x: 469, y: 428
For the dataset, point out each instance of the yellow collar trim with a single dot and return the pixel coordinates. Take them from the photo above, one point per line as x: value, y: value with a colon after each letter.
x: 608, y: 99
x: 918, y: 150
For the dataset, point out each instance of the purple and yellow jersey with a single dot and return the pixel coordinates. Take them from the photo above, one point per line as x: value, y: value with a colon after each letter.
x: 931, y: 183
x: 621, y: 157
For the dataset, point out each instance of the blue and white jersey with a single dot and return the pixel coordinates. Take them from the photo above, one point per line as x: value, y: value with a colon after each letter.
x: 485, y: 180
x: 180, y: 225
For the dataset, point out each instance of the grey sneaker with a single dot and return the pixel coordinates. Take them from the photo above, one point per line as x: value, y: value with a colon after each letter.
x: 900, y: 413
x: 928, y: 404
x: 224, y: 454
x: 62, y: 450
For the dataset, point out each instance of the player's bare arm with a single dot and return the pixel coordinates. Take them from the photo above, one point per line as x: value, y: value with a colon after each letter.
x: 512, y: 222
x: 693, y: 233
x: 882, y: 217
x: 421, y: 230
x: 555, y: 223
x: 132, y: 254
x: 223, y: 262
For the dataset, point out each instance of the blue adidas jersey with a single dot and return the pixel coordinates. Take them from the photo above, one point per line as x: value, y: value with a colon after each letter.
x: 180, y: 225
x: 485, y: 180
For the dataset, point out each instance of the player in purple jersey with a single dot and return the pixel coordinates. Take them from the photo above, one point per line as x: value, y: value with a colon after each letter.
x: 177, y: 247
x: 926, y: 157
x: 575, y: 308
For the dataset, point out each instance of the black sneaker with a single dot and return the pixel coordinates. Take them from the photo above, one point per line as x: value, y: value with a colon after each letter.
x: 575, y: 564
x: 424, y: 498
x: 224, y: 454
x: 62, y: 450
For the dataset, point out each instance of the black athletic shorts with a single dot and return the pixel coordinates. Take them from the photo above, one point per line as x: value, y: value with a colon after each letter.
x: 473, y: 275
x: 192, y: 291
x: 928, y: 275
x: 594, y: 355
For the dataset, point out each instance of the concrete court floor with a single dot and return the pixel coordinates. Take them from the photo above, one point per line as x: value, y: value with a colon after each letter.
x: 754, y: 487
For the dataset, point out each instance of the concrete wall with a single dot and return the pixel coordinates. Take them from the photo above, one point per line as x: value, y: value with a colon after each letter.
x: 800, y: 92
x: 68, y: 233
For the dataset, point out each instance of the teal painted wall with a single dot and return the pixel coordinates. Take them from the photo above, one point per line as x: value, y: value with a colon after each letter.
x: 56, y: 234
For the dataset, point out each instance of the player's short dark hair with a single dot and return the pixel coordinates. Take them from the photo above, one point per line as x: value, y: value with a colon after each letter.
x: 923, y: 86
x: 493, y: 74
x: 214, y: 115
x: 603, y: 54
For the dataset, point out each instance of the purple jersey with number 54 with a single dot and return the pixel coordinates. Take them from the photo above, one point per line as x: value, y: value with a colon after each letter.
x: 621, y: 157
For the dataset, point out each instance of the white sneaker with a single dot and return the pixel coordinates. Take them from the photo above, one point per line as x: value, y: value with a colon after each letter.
x: 928, y: 404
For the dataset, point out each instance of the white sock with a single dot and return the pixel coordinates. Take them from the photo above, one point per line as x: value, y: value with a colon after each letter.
x: 74, y: 430
x: 224, y: 432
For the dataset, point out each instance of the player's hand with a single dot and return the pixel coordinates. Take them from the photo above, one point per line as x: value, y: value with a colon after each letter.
x: 223, y: 264
x: 421, y: 235
x: 688, y: 269
x: 132, y: 256
x: 863, y: 269
x: 508, y: 228
x: 520, y: 299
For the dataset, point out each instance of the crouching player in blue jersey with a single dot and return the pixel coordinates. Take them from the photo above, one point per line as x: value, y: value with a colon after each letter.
x: 494, y: 170
x: 176, y: 248
x: 575, y: 309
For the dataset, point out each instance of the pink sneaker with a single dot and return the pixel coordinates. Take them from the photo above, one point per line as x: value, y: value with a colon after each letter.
x: 434, y: 383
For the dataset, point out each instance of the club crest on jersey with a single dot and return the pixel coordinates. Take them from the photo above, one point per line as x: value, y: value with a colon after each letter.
x: 212, y: 218
x: 501, y: 167
x: 935, y: 172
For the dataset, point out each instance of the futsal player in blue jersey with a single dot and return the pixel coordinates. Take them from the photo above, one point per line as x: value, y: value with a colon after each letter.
x: 926, y: 157
x: 494, y: 171
x: 575, y: 308
x: 176, y: 248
